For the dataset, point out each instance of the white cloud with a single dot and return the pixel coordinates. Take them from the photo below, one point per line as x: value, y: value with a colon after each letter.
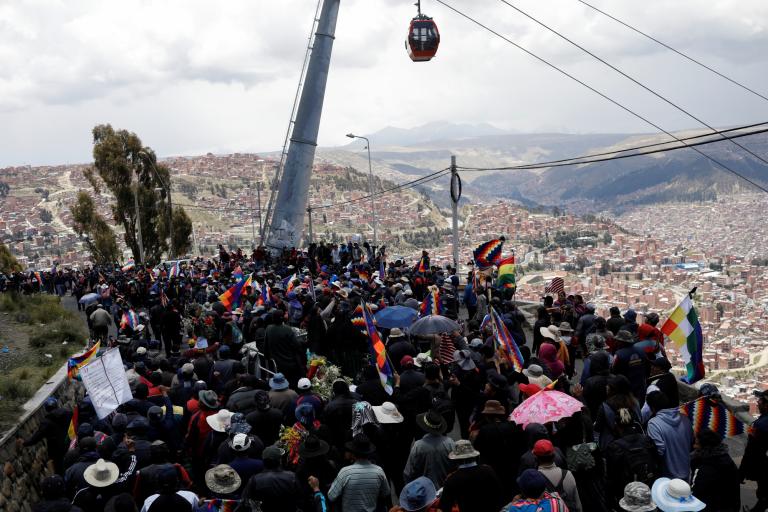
x: 190, y: 75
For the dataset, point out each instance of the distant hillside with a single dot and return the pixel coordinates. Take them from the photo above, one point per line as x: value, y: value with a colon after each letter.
x: 681, y: 175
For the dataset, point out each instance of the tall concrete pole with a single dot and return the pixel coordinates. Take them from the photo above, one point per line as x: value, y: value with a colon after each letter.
x: 287, y: 223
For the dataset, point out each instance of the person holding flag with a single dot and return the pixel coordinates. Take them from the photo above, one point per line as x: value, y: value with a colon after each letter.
x: 363, y: 319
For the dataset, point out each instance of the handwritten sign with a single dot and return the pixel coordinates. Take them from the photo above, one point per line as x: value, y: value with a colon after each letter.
x: 105, y: 380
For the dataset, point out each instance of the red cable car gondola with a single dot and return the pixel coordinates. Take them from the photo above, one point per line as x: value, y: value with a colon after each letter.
x: 423, y: 37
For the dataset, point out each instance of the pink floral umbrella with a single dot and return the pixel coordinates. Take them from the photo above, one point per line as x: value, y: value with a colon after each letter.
x: 545, y: 406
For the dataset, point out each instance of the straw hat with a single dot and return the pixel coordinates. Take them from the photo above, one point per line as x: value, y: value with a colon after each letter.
x: 552, y: 332
x: 222, y: 479
x: 387, y: 413
x: 219, y: 421
x: 101, y: 473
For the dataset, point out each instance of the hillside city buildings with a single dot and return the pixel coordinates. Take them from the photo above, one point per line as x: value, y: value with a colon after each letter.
x: 647, y: 259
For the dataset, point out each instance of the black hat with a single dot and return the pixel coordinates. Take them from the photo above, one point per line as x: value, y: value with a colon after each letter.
x: 313, y: 446
x: 432, y: 422
x: 662, y: 362
x: 360, y: 445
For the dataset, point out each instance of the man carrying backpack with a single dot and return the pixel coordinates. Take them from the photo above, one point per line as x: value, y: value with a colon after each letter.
x: 533, y: 495
x: 559, y: 481
x: 631, y: 457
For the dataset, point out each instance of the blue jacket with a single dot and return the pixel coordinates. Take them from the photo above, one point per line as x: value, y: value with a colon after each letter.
x: 672, y: 434
x: 470, y: 299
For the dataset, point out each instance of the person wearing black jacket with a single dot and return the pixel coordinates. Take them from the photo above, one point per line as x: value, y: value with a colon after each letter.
x: 284, y: 348
x: 53, y: 428
x: 278, y: 490
x: 754, y: 465
x: 715, y: 479
x: 661, y: 377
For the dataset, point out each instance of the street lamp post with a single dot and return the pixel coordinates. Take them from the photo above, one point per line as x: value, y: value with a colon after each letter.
x: 370, y: 184
x: 167, y: 186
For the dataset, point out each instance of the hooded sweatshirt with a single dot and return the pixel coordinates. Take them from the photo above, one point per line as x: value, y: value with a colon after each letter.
x: 672, y: 434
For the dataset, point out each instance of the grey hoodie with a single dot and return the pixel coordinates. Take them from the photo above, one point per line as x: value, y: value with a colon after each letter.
x: 673, y: 436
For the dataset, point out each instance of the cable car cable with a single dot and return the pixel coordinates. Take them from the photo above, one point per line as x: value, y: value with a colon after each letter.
x: 590, y: 159
x: 596, y: 91
x: 627, y: 76
x: 679, y: 52
x: 411, y: 184
x: 580, y: 160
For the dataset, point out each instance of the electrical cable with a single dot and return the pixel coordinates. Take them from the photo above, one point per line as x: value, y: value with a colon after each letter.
x: 411, y: 184
x: 580, y: 160
x: 403, y: 186
x: 599, y: 93
x: 589, y: 159
x: 628, y: 77
x: 668, y: 47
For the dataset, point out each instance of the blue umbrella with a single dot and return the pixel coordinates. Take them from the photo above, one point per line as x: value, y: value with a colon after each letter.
x: 395, y: 316
x: 88, y: 298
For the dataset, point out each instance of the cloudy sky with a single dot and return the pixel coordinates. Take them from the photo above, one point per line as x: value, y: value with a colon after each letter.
x: 194, y: 76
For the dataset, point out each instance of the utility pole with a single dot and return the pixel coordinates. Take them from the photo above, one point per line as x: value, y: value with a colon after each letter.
x: 309, y: 212
x: 455, y: 196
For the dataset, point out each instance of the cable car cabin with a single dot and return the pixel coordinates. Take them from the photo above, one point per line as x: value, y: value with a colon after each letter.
x: 423, y: 39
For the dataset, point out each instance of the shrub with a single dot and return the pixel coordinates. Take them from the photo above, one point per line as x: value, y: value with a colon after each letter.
x: 12, y: 389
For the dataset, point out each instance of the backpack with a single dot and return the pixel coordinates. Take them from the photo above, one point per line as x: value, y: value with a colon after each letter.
x: 635, y: 455
x: 557, y: 488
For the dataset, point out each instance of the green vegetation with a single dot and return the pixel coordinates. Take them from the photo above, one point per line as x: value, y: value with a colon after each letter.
x: 130, y: 172
x: 8, y: 262
x: 47, y: 325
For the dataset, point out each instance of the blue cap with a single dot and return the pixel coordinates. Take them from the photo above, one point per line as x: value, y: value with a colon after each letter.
x: 532, y: 483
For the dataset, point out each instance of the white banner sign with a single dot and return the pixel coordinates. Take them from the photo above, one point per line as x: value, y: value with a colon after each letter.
x: 105, y: 380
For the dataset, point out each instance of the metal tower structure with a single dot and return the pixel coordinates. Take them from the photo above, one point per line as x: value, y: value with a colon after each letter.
x: 286, y: 214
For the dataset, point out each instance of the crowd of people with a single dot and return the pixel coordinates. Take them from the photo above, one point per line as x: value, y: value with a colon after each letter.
x: 211, y: 427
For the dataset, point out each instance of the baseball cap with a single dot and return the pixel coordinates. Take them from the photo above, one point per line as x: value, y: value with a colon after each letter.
x: 406, y: 361
x: 543, y: 447
x: 304, y: 383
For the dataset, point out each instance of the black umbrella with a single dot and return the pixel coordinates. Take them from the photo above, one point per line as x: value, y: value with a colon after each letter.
x: 433, y: 324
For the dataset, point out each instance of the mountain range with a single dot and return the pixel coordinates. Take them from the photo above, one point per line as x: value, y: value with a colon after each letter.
x: 405, y: 154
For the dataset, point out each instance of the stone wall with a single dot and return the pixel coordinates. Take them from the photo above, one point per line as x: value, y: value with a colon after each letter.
x: 23, y: 468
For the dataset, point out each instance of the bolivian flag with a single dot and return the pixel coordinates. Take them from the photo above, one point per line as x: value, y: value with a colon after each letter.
x: 506, y: 277
x: 684, y: 329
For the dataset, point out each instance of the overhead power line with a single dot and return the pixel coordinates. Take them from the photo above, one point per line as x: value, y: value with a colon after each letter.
x: 627, y: 76
x: 579, y: 160
x: 619, y: 154
x: 599, y: 93
x: 680, y: 53
x: 403, y: 186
